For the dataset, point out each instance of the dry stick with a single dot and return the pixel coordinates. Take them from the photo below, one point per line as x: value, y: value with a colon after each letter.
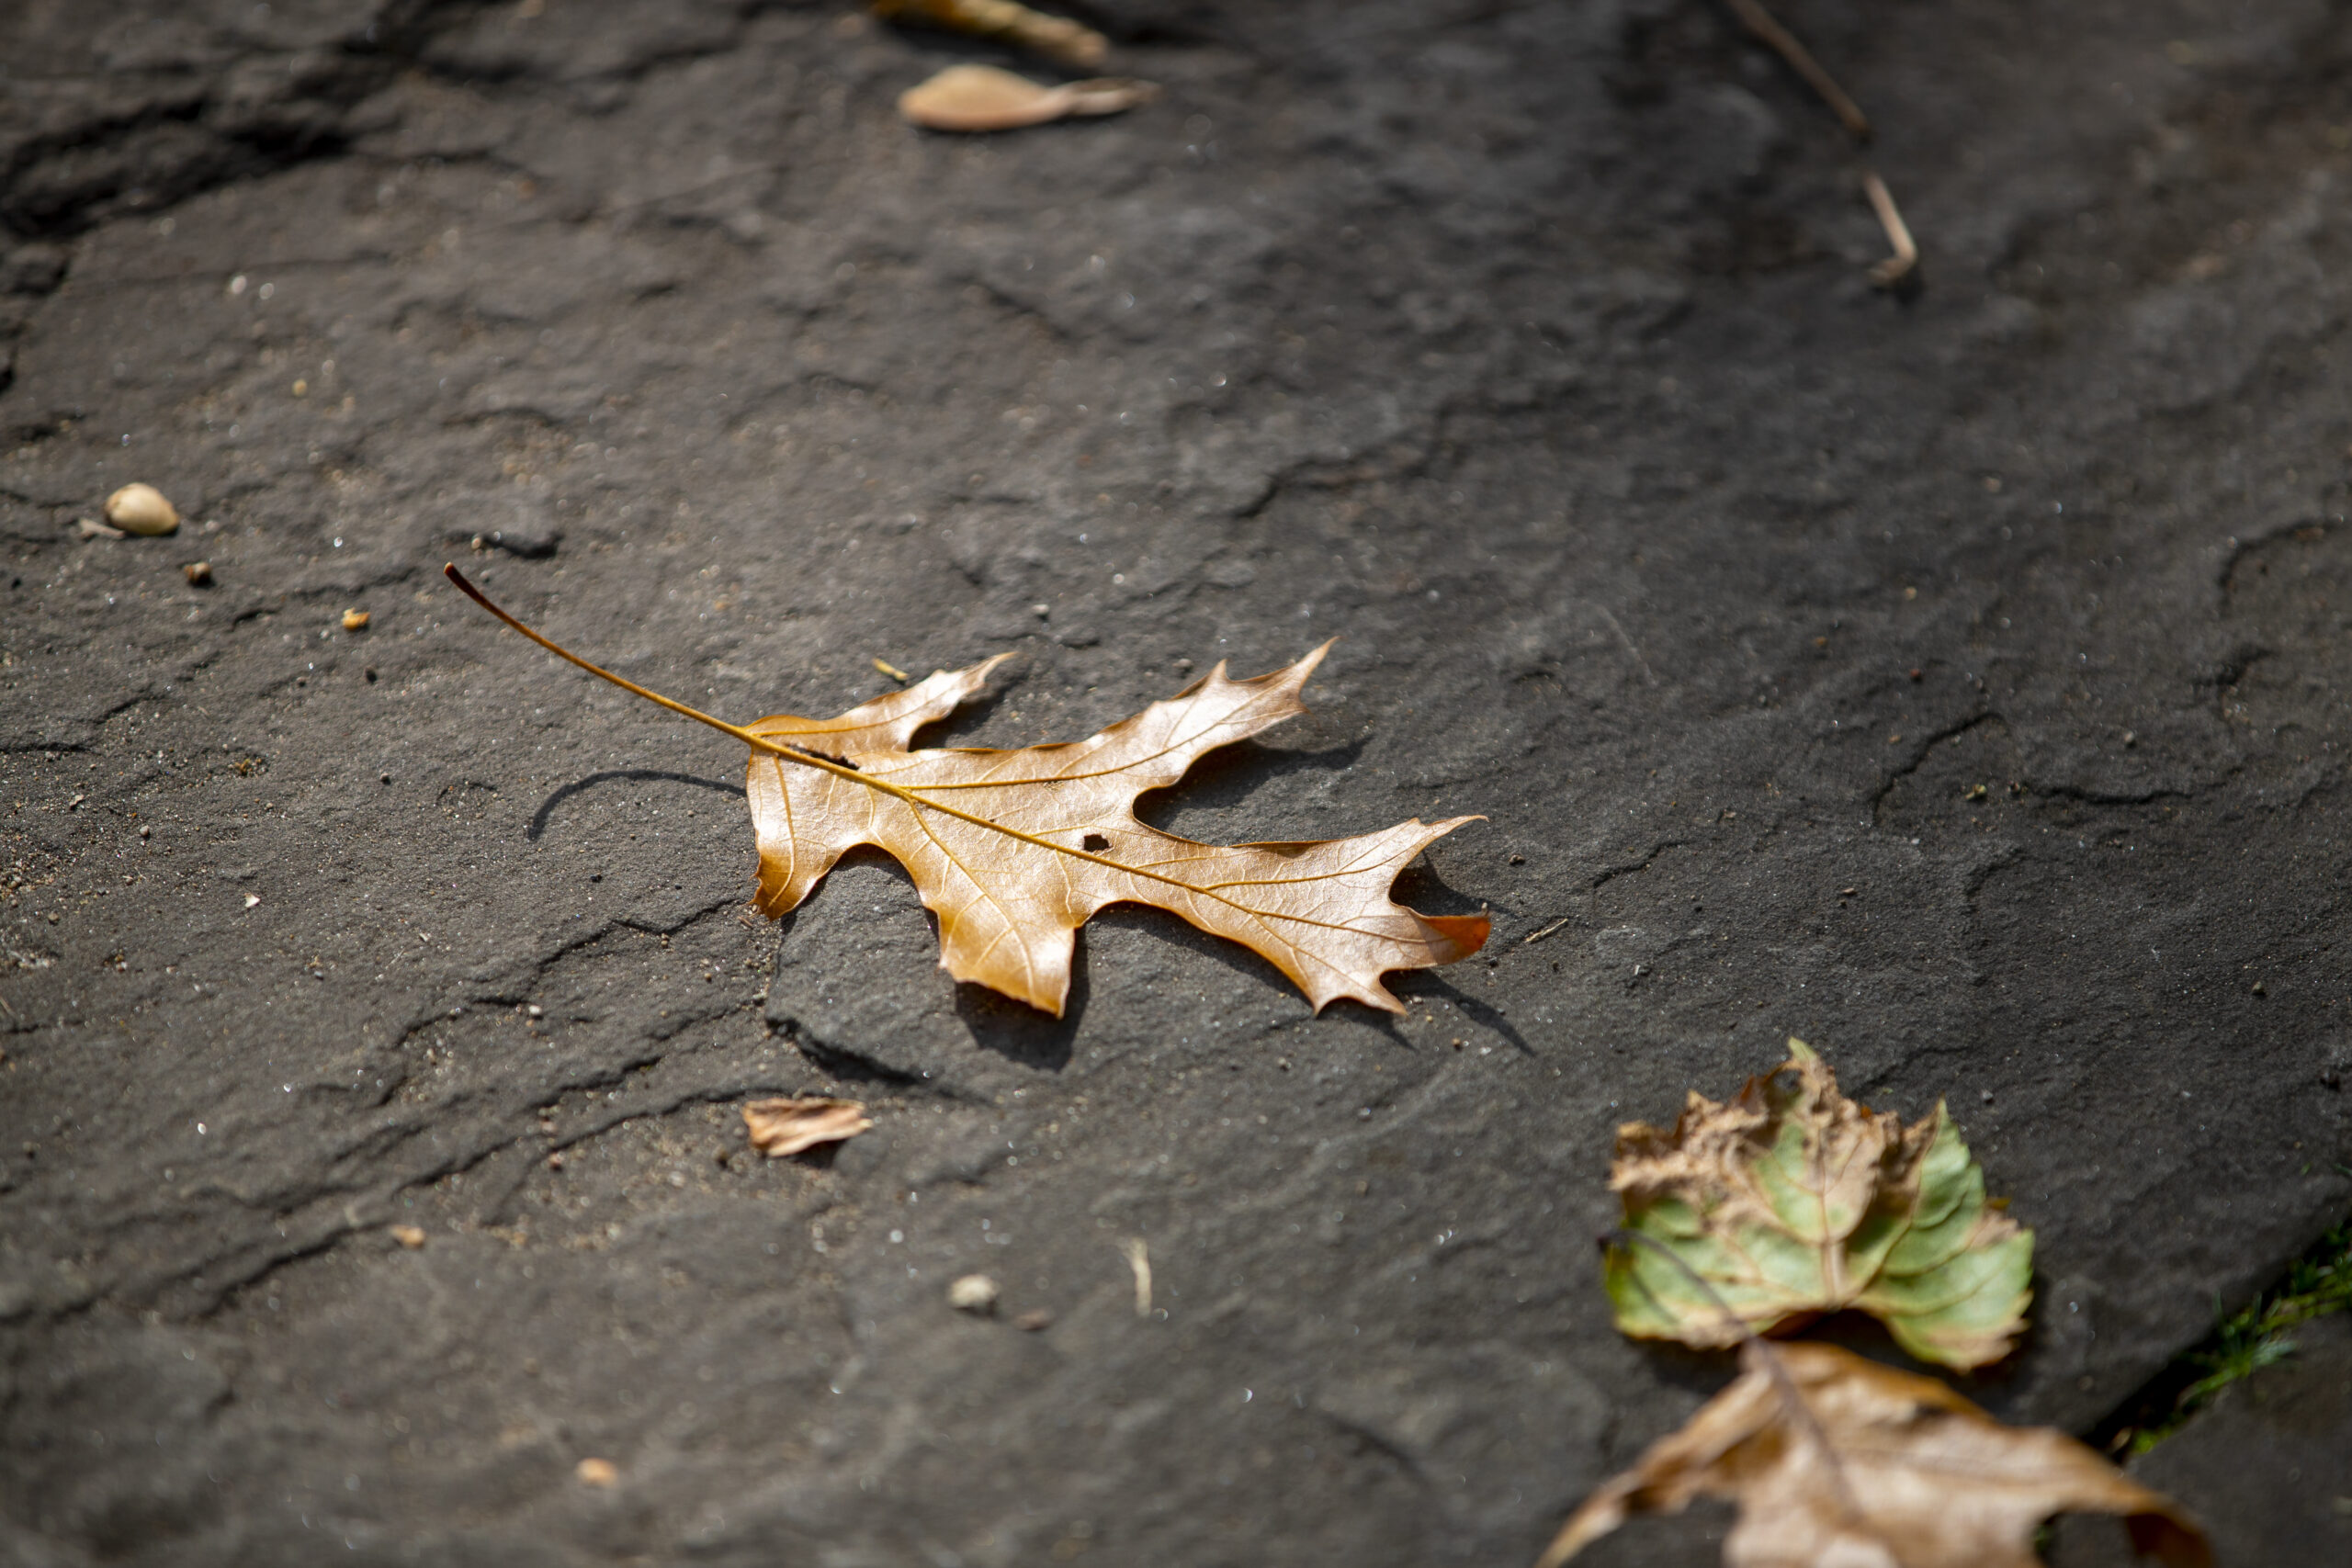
x: 1138, y: 1257
x: 1896, y: 267
x: 1762, y: 23
x: 1753, y: 1348
x: 1899, y: 266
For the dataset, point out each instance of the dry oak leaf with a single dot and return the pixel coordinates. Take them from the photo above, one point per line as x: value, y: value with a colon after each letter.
x: 1793, y: 1201
x: 1013, y: 850
x: 1835, y: 1460
x: 790, y: 1124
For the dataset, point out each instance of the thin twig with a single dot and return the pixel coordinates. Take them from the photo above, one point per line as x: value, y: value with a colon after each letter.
x: 1138, y: 1258
x: 1648, y: 674
x: 1762, y: 23
x: 1547, y: 930
x: 1896, y: 267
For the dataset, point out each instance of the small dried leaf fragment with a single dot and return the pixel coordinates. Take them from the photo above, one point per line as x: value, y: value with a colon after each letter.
x: 981, y: 97
x: 791, y: 1124
x: 1056, y: 37
x: 1833, y: 1458
x: 354, y: 620
x: 1794, y: 1201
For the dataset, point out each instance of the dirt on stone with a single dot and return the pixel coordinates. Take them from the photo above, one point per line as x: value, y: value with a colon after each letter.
x: 1956, y: 681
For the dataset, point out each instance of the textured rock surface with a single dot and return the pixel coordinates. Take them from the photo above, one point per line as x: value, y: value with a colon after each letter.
x: 1525, y: 348
x: 2269, y: 1464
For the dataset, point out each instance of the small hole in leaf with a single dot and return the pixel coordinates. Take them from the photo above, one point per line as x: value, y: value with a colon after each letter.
x: 1095, y: 843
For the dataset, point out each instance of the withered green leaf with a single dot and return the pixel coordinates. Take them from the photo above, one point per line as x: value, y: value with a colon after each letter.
x: 1794, y: 1201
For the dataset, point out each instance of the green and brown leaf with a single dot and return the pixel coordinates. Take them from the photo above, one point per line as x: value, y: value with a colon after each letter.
x: 1794, y: 1201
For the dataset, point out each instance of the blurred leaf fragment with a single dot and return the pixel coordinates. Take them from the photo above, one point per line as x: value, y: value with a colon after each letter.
x: 1056, y: 37
x: 1833, y: 1458
x: 981, y: 97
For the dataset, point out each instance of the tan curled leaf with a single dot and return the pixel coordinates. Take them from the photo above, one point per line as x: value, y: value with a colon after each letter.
x: 1056, y: 38
x: 1833, y: 1458
x: 790, y: 1124
x: 1013, y: 851
x: 981, y: 97
x: 1794, y: 1201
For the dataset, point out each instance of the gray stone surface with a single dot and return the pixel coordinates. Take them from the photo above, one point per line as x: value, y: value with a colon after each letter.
x: 1524, y: 348
x: 2269, y: 1464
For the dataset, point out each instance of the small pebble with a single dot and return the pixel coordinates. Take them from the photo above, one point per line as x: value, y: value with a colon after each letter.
x: 198, y: 573
x: 597, y: 1472
x: 1033, y: 1322
x: 2260, y: 989
x: 975, y: 1294
x: 354, y: 620
x: 251, y: 899
x: 142, y: 509
x: 409, y: 1237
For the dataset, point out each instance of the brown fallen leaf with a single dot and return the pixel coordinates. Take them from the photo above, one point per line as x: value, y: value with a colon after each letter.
x: 791, y: 1124
x: 1056, y: 38
x: 1013, y: 851
x: 1794, y: 1201
x: 981, y: 97
x: 1835, y: 1460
